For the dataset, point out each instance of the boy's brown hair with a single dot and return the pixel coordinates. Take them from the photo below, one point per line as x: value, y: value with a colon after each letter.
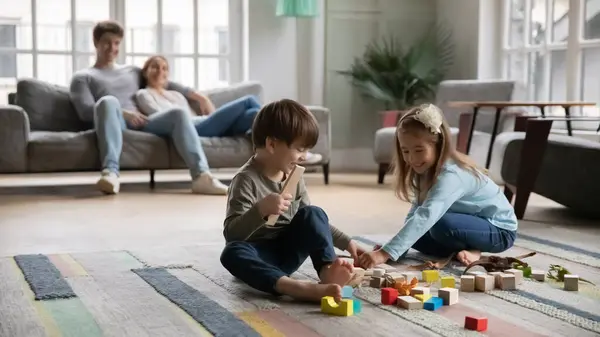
x: 107, y: 26
x: 285, y: 120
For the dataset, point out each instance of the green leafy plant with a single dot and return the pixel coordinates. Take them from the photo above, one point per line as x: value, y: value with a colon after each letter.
x: 400, y: 77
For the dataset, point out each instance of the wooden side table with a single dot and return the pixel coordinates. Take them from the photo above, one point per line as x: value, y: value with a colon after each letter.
x: 500, y: 106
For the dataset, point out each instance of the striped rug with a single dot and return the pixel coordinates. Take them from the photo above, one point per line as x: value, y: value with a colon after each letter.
x: 184, y: 291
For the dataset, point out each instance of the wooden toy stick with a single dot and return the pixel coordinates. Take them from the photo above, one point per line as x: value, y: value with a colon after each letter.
x: 290, y: 186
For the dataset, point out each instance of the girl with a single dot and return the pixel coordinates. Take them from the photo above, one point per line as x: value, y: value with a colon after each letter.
x: 455, y: 207
x: 234, y: 118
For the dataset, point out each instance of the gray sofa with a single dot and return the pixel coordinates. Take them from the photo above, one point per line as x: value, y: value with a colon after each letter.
x: 41, y: 132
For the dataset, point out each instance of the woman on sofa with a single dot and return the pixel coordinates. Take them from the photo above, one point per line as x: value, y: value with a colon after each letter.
x: 234, y: 118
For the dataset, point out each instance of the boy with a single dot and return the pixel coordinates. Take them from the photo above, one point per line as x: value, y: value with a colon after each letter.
x: 262, y: 256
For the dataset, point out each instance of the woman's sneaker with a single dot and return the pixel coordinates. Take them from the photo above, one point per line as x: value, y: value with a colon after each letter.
x: 207, y: 184
x: 108, y: 182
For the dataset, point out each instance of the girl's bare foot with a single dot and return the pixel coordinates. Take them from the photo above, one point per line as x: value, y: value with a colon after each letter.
x: 339, y: 272
x: 467, y: 257
x: 308, y: 291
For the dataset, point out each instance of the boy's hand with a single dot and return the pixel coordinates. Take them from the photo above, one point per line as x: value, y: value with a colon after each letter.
x: 274, y: 204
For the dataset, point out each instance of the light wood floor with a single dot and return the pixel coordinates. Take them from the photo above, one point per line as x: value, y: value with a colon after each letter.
x: 64, y: 213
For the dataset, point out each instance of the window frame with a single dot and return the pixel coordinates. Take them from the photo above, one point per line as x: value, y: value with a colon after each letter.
x: 574, y: 46
x: 117, y: 12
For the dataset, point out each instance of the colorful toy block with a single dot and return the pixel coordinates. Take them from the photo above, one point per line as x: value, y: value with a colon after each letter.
x: 356, y: 306
x: 476, y: 324
x: 496, y: 275
x: 389, y: 296
x: 347, y: 292
x: 433, y: 303
x: 518, y: 275
x: 571, y: 282
x: 448, y: 282
x: 408, y: 302
x: 507, y: 282
x: 538, y: 275
x: 423, y: 297
x: 344, y: 308
x: 449, y: 295
x: 430, y: 276
x: 376, y: 282
x: 484, y: 282
x: 419, y: 291
x: 378, y: 272
x: 467, y: 283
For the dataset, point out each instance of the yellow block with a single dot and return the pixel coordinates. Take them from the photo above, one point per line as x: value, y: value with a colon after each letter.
x: 422, y: 297
x: 448, y: 282
x: 344, y: 308
x: 430, y: 276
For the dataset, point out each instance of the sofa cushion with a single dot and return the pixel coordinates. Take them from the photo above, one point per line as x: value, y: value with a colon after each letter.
x: 221, y: 152
x: 62, y: 151
x: 48, y: 106
x: 78, y: 151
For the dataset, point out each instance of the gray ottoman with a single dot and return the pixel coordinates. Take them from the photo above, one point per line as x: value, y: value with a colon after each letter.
x: 383, y: 150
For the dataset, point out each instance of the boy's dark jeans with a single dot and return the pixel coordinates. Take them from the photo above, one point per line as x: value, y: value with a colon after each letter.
x: 260, y: 264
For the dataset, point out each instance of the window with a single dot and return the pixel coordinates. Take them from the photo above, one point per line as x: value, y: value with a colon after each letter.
x: 56, y: 44
x: 552, y: 47
x: 8, y: 61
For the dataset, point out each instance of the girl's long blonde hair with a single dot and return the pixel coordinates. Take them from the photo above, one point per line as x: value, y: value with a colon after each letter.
x: 406, y: 185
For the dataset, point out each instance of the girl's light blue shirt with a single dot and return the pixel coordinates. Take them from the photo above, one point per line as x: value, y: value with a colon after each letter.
x: 458, y: 191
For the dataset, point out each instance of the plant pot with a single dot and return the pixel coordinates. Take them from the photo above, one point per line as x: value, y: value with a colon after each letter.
x: 389, y: 118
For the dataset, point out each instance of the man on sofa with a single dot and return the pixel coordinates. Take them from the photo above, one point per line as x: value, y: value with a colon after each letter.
x: 104, y: 94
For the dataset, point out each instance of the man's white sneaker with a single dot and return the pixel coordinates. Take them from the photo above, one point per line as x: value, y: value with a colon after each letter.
x: 312, y: 158
x: 108, y: 183
x: 207, y: 184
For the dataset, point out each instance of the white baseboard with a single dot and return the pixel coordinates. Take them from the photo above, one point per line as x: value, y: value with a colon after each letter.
x: 353, y: 160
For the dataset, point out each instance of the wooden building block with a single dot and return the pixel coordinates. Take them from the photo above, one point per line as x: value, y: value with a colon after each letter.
x: 347, y: 292
x: 389, y: 296
x: 538, y: 275
x: 476, y: 272
x: 484, y: 282
x: 467, y: 283
x: 430, y: 276
x: 356, y: 306
x: 290, y: 186
x: 518, y: 275
x: 423, y: 297
x: 376, y: 282
x: 449, y: 295
x: 448, y: 282
x: 571, y: 282
x: 476, y: 323
x: 409, y: 302
x: 344, y: 308
x: 496, y: 275
x: 378, y: 272
x: 419, y: 291
x: 433, y: 304
x: 507, y: 282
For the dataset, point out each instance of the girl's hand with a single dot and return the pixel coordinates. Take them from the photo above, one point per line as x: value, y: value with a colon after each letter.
x: 354, y: 250
x: 374, y: 258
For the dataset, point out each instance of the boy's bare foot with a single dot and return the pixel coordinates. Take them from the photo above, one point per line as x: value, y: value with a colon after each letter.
x: 339, y: 272
x: 467, y: 257
x: 307, y: 291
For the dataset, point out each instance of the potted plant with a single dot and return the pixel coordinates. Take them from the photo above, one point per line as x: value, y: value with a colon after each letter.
x: 401, y: 78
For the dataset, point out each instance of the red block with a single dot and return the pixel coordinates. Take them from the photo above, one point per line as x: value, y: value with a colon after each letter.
x: 477, y: 324
x: 389, y: 296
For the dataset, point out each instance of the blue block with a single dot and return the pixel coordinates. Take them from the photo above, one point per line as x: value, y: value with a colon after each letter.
x: 357, y: 305
x: 347, y: 292
x: 433, y: 303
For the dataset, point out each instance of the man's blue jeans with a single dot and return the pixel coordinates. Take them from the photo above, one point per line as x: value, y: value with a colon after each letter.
x: 174, y: 123
x: 261, y: 263
x: 455, y: 232
x: 232, y: 119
